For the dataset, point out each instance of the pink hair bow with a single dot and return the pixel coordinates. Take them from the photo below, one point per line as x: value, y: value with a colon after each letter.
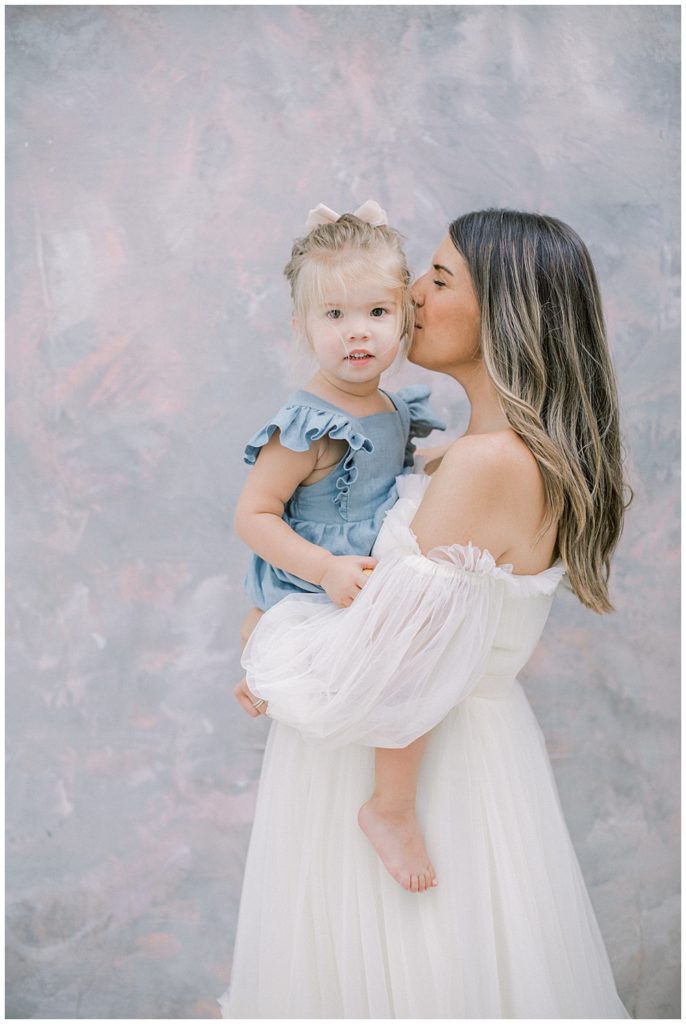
x: 370, y: 212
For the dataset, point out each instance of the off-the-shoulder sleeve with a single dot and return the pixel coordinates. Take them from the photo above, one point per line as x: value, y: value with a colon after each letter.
x: 387, y: 669
x: 300, y: 425
x: 422, y: 418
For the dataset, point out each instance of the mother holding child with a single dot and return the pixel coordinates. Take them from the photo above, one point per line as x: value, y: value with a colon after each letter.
x: 409, y: 855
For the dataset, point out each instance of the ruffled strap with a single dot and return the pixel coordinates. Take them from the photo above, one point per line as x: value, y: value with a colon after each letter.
x: 348, y: 477
x: 300, y: 425
x: 422, y: 418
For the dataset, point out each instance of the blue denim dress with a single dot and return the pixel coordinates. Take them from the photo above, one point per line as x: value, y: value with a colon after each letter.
x: 344, y: 510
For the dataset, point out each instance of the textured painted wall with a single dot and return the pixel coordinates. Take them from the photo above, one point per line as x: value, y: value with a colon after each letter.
x: 160, y: 160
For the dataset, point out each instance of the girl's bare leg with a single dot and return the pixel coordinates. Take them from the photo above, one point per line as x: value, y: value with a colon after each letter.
x: 389, y: 821
x: 249, y: 623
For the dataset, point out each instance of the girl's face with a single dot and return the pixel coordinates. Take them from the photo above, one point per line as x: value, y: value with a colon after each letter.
x: 447, y: 320
x: 356, y: 335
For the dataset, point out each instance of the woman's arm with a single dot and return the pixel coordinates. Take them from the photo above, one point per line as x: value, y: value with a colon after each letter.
x: 377, y: 673
x: 386, y: 670
x: 259, y: 523
x: 415, y: 642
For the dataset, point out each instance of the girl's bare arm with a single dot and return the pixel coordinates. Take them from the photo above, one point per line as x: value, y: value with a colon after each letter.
x: 259, y: 523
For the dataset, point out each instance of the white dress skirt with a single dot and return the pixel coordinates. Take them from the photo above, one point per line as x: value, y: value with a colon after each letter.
x: 432, y: 644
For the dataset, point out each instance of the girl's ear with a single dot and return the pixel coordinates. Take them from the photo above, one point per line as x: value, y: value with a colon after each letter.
x: 298, y: 332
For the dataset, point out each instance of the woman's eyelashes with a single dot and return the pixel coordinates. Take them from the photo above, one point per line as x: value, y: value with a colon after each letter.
x: 440, y: 284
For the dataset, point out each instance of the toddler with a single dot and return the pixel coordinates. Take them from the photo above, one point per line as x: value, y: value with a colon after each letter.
x: 325, y: 464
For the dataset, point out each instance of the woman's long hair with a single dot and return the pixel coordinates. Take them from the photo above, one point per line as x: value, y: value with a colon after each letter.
x: 544, y: 345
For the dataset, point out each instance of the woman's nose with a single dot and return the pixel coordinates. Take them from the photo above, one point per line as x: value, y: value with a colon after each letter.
x: 417, y: 294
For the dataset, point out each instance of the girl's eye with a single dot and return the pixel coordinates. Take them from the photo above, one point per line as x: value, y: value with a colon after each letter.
x: 441, y: 284
x: 335, y: 314
x: 378, y: 311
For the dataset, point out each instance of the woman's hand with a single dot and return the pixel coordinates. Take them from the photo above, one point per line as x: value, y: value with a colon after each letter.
x: 344, y: 576
x: 246, y: 699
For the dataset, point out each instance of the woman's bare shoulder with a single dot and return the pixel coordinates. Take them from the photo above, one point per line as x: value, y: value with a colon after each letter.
x: 487, y: 490
x: 500, y: 455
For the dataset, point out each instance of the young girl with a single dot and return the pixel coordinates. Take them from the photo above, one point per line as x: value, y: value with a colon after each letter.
x: 325, y: 466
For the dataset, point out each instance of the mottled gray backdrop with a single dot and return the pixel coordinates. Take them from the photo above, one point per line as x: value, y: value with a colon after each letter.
x: 160, y: 161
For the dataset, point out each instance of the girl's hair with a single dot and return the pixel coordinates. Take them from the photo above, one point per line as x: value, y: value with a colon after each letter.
x: 544, y: 345
x: 343, y: 254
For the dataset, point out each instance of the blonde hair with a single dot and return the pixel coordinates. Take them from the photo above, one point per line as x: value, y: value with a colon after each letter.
x: 345, y: 253
x: 544, y: 345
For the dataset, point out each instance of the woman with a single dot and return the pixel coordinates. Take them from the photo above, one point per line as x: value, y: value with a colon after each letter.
x: 469, y: 560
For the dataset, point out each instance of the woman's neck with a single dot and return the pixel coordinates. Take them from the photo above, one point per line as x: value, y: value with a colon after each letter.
x: 486, y: 414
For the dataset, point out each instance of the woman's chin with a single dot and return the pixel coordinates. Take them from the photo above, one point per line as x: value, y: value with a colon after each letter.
x: 414, y: 354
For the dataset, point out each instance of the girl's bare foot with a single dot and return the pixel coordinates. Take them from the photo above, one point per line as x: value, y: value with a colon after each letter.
x: 397, y: 838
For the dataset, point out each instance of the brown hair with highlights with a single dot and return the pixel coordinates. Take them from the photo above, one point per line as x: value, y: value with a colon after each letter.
x: 544, y: 345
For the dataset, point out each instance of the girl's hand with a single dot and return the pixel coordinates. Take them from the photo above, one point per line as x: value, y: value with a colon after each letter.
x: 246, y: 699
x: 344, y: 576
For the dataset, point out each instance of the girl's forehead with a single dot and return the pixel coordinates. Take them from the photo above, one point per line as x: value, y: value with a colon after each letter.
x: 353, y: 283
x: 362, y: 292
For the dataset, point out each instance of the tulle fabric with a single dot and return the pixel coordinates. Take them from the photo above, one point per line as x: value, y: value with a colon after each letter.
x: 509, y: 932
x: 388, y: 668
x: 432, y: 643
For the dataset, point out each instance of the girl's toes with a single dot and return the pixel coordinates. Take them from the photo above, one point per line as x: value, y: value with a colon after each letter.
x: 414, y: 883
x: 421, y: 880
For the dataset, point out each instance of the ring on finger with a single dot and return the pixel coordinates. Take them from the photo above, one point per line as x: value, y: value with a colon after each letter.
x: 257, y: 704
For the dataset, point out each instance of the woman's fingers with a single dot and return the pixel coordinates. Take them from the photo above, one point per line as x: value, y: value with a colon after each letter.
x: 242, y: 699
x: 246, y: 699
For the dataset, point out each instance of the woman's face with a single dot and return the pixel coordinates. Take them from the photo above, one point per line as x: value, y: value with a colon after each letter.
x: 448, y: 318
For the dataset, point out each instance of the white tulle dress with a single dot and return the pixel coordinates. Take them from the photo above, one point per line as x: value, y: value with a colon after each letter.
x: 432, y: 643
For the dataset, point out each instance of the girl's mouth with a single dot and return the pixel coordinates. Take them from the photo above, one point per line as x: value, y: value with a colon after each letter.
x: 359, y: 357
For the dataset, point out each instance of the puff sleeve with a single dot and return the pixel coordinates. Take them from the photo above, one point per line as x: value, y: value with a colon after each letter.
x: 387, y: 669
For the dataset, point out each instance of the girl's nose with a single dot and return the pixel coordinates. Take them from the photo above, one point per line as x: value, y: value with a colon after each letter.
x: 358, y: 330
